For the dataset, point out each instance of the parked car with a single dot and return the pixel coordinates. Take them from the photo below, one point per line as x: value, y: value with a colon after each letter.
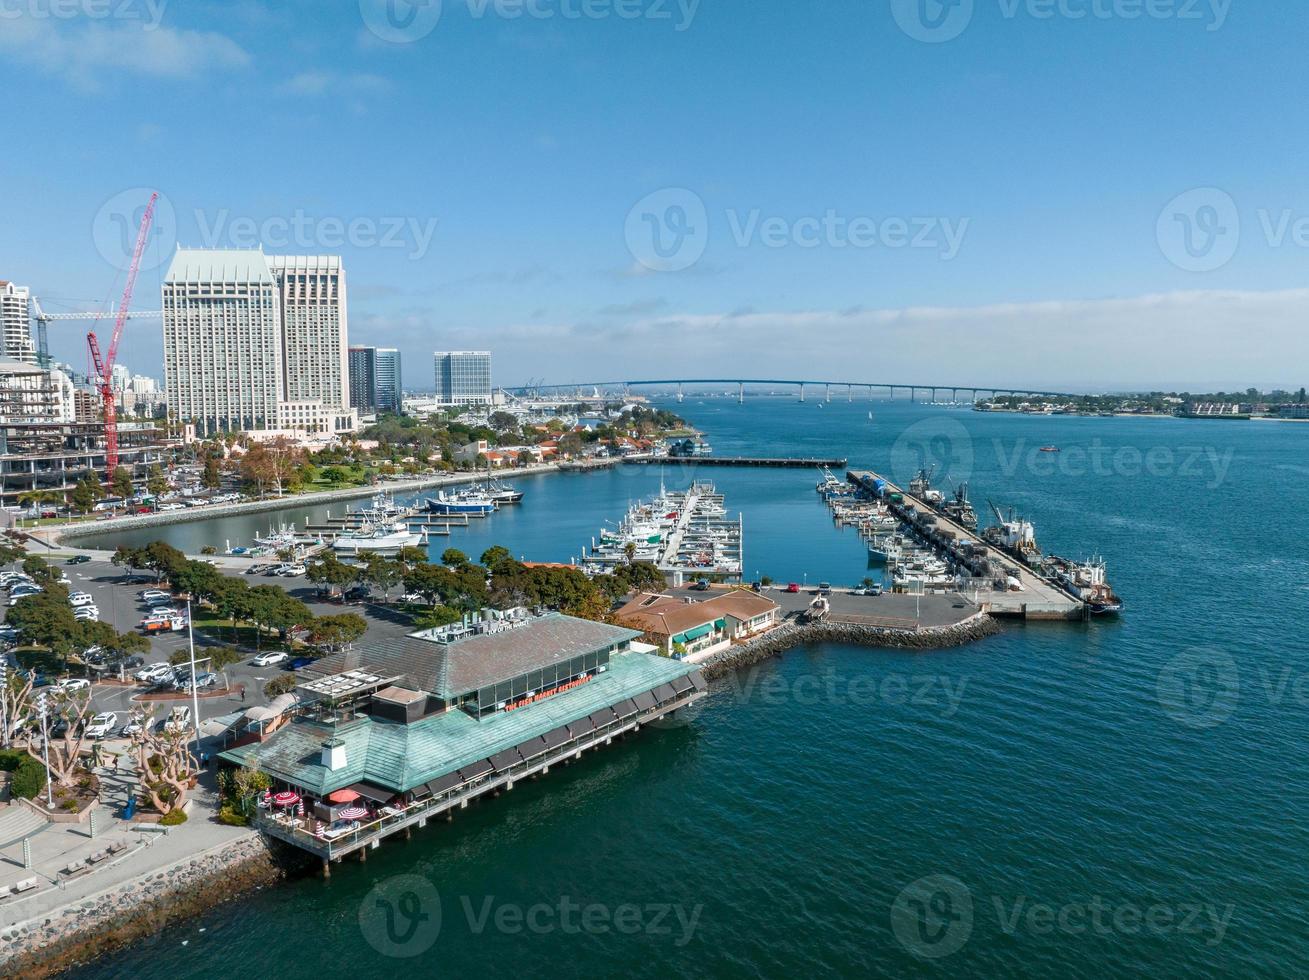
x: 101, y: 725
x: 299, y: 662
x: 74, y: 684
x: 414, y: 598
x: 260, y: 568
x: 83, y: 613
x: 269, y: 659
x: 81, y: 599
x: 874, y: 589
x: 163, y: 624
x: 793, y: 587
x: 824, y: 588
x: 133, y: 726
x: 290, y: 571
x: 701, y: 585
x: 179, y: 719
x: 356, y: 593
x: 156, y: 595
x: 153, y: 673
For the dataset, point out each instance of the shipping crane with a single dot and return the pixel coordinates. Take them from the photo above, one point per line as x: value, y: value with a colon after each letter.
x: 103, y: 367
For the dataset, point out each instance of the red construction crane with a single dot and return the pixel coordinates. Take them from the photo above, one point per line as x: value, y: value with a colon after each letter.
x: 104, y: 368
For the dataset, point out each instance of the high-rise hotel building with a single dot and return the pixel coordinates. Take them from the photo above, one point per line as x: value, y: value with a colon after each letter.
x: 256, y: 343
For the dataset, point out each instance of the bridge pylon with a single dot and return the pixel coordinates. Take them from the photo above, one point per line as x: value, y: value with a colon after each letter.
x: 740, y: 393
x: 802, y: 391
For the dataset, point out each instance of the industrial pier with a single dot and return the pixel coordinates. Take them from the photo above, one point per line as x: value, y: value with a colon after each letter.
x: 1039, y: 598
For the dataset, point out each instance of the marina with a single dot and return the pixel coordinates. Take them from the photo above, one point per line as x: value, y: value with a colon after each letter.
x: 685, y: 533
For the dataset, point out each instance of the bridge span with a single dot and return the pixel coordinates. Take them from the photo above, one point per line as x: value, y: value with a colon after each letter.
x: 828, y: 387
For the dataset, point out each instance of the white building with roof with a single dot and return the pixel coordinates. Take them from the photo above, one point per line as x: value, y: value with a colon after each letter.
x: 256, y: 343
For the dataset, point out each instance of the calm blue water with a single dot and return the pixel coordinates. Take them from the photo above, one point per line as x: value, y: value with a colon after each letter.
x: 1083, y: 800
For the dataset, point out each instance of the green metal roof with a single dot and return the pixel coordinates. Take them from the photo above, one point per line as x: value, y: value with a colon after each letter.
x: 694, y: 634
x: 400, y: 757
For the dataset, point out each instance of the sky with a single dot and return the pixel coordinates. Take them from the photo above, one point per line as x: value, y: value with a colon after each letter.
x: 1063, y: 194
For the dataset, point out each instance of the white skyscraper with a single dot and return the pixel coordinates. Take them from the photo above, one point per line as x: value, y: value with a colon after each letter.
x: 256, y: 343
x: 15, y: 330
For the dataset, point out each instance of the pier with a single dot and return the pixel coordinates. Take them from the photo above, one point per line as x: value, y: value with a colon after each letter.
x: 780, y: 463
x: 1037, y: 597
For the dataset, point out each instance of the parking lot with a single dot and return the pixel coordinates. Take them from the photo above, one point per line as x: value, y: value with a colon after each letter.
x: 118, y: 598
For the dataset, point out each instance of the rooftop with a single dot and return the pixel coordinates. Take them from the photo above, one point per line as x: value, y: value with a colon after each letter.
x: 669, y: 615
x: 450, y: 669
x: 225, y: 265
x: 399, y: 756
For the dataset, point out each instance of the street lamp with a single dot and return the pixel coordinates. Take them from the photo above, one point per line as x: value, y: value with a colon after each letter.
x: 45, y: 752
x: 195, y: 688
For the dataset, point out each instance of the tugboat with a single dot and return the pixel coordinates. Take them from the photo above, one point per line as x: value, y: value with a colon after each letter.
x: 960, y: 510
x: 1086, y: 581
x: 1015, y: 536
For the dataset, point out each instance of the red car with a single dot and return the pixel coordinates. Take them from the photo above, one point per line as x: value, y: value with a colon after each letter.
x: 793, y: 587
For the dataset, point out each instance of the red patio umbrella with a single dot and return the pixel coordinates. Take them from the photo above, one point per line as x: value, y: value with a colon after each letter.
x: 344, y: 796
x: 352, y: 813
x: 286, y: 798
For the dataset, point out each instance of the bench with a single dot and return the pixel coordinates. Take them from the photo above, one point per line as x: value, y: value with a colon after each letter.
x: 97, y: 857
x: 117, y: 847
x: 74, y: 869
x: 26, y: 885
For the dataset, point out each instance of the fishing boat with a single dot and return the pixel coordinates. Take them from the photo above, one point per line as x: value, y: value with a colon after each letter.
x: 1015, y: 536
x: 921, y: 487
x: 1086, y: 581
x: 503, y: 493
x: 379, y: 539
x: 960, y: 510
x: 464, y: 502
x: 1050, y: 449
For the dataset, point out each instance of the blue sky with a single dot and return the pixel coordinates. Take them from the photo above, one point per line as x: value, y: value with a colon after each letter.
x: 1020, y: 191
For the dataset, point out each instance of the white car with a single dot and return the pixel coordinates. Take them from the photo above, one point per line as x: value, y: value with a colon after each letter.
x: 101, y: 725
x: 179, y: 720
x: 86, y: 612
x: 81, y: 599
x: 74, y: 684
x: 156, y: 595
x: 268, y: 659
x: 164, y: 611
x: 133, y: 726
x: 290, y: 571
x: 153, y: 673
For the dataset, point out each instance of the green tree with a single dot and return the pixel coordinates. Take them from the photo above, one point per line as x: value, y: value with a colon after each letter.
x: 336, y: 633
x: 281, y: 684
x: 495, y: 556
x: 382, y: 572
x: 86, y: 493
x: 120, y: 482
x: 330, y: 571
x: 453, y: 558
x: 211, y: 477
x: 156, y: 482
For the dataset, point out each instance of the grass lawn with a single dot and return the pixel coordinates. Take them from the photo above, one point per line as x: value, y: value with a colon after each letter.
x: 220, y: 629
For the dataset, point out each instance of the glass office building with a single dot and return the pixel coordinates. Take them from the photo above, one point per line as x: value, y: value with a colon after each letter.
x: 463, y: 377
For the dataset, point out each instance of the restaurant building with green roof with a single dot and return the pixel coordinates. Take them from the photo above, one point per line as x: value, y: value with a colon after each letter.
x: 408, y: 728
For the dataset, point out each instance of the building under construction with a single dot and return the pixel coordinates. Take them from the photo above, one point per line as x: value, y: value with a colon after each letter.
x: 47, y: 446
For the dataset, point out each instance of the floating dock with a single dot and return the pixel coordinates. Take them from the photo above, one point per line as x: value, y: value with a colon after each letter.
x: 763, y: 461
x: 1038, y: 597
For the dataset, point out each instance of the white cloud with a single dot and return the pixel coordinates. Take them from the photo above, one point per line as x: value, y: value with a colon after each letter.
x: 85, y: 52
x: 314, y: 83
x: 1185, y: 339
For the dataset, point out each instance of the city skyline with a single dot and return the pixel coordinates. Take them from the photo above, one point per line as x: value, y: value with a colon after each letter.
x: 568, y: 241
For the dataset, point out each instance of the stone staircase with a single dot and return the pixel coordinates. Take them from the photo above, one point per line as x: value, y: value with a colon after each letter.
x: 17, y: 822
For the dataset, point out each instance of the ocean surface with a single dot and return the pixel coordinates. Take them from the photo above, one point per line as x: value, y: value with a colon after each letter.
x: 1075, y: 800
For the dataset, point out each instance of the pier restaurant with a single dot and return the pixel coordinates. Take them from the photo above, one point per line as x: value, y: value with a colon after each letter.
x: 698, y: 630
x: 401, y: 731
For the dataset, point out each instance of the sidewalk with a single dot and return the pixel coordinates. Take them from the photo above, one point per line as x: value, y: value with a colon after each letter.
x: 149, y: 851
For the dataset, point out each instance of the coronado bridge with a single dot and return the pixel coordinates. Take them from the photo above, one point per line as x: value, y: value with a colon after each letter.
x: 827, y: 389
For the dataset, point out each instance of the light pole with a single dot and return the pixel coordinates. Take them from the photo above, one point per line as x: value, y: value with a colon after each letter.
x: 45, y: 752
x: 195, y: 688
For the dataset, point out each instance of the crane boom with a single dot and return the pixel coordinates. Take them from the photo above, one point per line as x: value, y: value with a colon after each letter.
x: 104, y: 367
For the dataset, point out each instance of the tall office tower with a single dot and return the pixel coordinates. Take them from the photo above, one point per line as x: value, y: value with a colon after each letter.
x: 363, y: 378
x: 15, y: 330
x: 314, y: 328
x: 463, y: 377
x: 388, y: 396
x: 256, y: 343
